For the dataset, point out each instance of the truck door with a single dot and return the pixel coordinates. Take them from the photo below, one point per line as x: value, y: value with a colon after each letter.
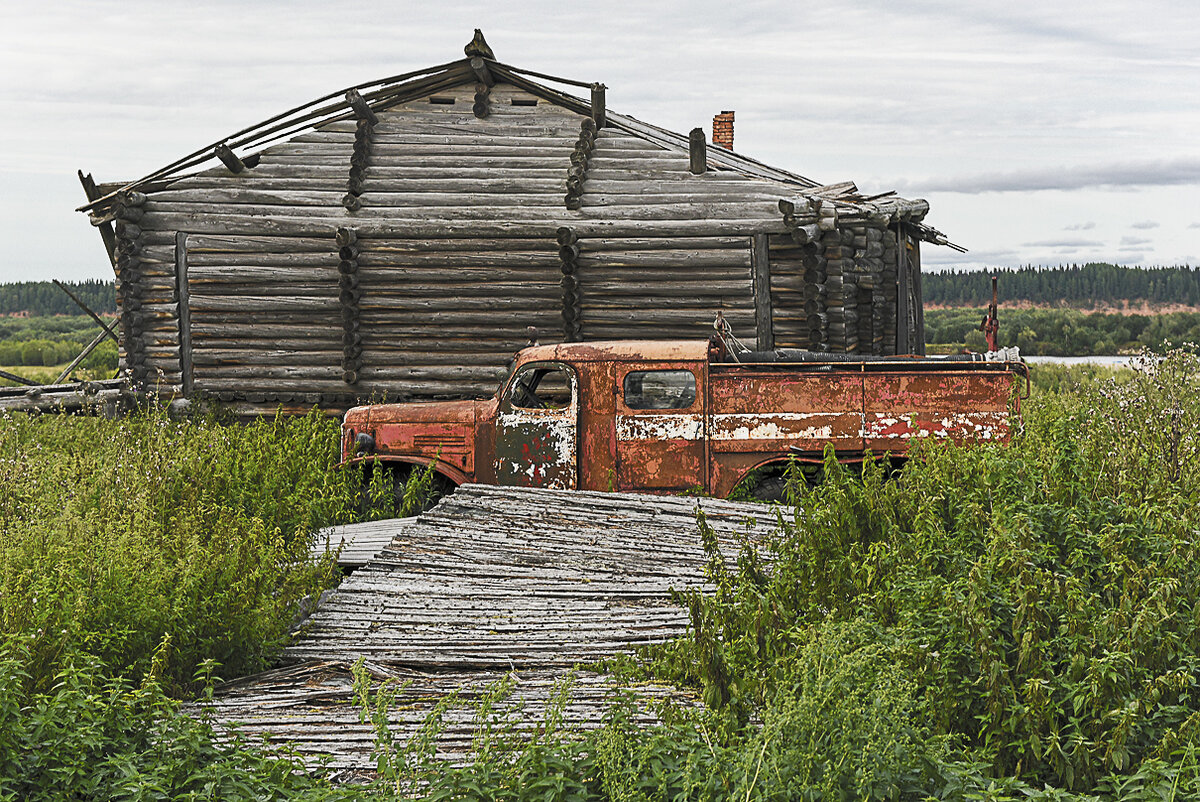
x: 537, y: 441
x: 659, y: 425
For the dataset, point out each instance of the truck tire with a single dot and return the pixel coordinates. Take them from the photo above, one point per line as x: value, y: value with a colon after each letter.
x: 770, y: 488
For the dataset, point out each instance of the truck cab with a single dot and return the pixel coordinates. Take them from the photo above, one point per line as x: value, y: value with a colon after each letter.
x: 664, y: 417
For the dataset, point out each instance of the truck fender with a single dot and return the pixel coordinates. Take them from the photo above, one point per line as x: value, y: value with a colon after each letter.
x: 445, y: 469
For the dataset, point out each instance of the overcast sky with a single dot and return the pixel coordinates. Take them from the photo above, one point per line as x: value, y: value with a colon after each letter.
x: 1040, y: 132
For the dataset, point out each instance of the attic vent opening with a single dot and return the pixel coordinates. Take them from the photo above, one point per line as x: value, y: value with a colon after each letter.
x: 441, y: 100
x: 524, y: 101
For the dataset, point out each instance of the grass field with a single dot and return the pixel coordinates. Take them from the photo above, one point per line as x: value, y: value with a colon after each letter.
x: 998, y: 623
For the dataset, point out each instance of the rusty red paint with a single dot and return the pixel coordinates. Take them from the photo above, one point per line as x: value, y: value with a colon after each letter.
x: 565, y: 418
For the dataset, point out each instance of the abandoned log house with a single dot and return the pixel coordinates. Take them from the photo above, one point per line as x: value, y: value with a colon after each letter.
x: 397, y: 240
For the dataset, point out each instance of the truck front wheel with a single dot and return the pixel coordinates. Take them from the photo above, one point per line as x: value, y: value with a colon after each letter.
x: 398, y: 490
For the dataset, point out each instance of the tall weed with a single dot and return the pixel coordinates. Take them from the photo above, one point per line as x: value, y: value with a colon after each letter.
x: 114, y: 534
x: 1040, y: 600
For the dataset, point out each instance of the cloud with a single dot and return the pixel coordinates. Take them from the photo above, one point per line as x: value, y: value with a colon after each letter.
x: 1138, y: 241
x: 1064, y: 243
x: 1158, y: 173
x: 1145, y: 225
x: 1088, y: 226
x: 945, y: 257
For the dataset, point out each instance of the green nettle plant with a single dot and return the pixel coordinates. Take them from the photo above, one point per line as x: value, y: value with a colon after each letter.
x: 114, y: 534
x: 1039, y: 599
x: 1011, y: 622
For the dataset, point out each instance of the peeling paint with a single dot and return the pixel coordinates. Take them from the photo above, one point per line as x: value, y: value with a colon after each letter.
x: 681, y: 426
x: 783, y: 425
x: 959, y: 425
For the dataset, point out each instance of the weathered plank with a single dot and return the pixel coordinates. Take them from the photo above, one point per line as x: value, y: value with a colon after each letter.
x: 493, y: 584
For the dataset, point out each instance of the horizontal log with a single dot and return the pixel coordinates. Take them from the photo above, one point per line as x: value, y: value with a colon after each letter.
x: 683, y: 260
x: 534, y: 300
x: 277, y: 266
x: 389, y: 226
x: 311, y: 162
x: 216, y: 360
x: 249, y: 304
x: 482, y: 208
x: 387, y: 138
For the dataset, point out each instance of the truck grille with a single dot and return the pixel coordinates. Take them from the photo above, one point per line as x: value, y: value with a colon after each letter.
x: 434, y: 441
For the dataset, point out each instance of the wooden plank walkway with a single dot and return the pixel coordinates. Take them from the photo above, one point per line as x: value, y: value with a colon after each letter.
x: 359, y: 544
x: 491, y: 583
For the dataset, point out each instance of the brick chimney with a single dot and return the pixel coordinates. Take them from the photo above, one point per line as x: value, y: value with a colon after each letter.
x: 723, y: 130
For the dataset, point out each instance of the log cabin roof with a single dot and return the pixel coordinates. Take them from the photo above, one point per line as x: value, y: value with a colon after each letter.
x: 441, y: 165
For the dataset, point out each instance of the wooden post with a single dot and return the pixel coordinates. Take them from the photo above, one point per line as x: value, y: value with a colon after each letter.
x: 106, y: 230
x: 902, y: 308
x: 82, y: 356
x: 760, y: 267
x: 229, y: 158
x: 12, y: 377
x: 919, y: 303
x: 185, y: 313
x: 598, y: 105
x: 697, y: 152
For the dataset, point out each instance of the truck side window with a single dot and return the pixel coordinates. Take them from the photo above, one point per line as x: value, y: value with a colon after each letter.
x: 544, y: 387
x: 660, y: 389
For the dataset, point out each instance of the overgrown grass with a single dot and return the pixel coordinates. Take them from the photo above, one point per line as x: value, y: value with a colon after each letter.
x: 1037, y: 605
x: 995, y: 623
x: 114, y: 534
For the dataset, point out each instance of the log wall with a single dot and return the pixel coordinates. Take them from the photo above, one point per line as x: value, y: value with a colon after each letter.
x: 454, y: 206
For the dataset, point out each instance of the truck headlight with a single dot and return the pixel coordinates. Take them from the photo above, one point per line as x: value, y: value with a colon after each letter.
x: 364, y: 443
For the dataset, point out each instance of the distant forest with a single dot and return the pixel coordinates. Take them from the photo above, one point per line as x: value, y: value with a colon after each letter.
x: 43, y: 298
x: 1086, y: 286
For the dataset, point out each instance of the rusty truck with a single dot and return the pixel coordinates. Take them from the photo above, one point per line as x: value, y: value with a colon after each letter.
x: 662, y: 417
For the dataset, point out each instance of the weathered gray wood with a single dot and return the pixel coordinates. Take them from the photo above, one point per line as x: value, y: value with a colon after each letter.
x: 229, y: 158
x: 82, y: 356
x: 361, y: 108
x: 761, y: 271
x: 107, y: 329
x: 185, y: 320
x: 599, y: 114
x: 107, y: 235
x: 482, y: 73
x: 697, y: 152
x: 12, y: 377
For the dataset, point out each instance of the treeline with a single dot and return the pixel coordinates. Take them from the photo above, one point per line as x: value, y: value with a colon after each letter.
x: 47, y: 340
x: 43, y: 298
x: 1063, y: 332
x: 1088, y: 285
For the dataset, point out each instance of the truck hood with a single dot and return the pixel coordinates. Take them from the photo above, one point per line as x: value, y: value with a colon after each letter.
x: 425, y: 412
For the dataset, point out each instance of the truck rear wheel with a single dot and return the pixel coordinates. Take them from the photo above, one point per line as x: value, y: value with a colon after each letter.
x: 770, y: 488
x: 770, y: 484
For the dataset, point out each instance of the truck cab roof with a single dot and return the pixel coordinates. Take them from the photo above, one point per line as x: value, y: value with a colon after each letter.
x: 620, y: 350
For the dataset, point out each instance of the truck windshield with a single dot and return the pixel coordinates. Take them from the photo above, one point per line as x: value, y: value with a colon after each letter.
x: 541, y: 387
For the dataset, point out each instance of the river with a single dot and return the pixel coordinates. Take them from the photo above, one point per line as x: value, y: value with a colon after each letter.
x: 1107, y: 361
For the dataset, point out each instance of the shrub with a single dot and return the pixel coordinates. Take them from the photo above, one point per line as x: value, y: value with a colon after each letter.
x: 1040, y: 600
x: 114, y: 534
x: 92, y: 737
